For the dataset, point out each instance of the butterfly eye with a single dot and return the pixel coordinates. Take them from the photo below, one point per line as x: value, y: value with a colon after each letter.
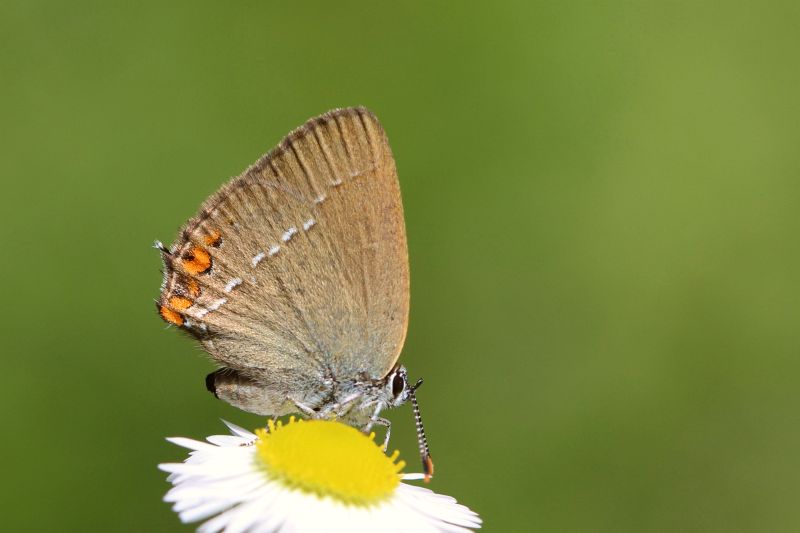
x: 398, y: 385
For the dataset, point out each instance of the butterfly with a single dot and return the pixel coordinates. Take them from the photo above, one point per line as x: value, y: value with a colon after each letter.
x: 294, y: 278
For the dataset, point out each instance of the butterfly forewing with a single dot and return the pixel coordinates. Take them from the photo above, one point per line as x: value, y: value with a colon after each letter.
x: 297, y: 270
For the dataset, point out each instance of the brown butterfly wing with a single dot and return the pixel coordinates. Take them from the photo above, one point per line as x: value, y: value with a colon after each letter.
x: 297, y: 269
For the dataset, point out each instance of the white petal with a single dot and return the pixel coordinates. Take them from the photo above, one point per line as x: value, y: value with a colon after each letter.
x: 241, y: 513
x: 190, y: 443
x: 228, y: 440
x: 241, y: 432
x: 204, y: 510
x: 437, y: 506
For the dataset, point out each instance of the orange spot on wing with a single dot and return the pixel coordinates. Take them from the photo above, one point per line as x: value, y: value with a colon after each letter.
x: 213, y: 239
x: 173, y: 317
x: 194, y: 288
x: 197, y: 261
x: 180, y: 303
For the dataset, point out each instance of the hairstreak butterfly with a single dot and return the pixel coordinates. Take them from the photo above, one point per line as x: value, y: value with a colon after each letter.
x: 294, y: 277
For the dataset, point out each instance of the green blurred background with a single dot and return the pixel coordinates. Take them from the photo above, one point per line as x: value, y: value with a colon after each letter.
x: 602, y: 209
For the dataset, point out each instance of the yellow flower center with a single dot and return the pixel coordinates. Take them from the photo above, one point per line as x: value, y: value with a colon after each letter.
x: 328, y: 459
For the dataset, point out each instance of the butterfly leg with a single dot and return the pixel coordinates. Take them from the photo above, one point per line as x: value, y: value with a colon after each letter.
x: 340, y: 408
x: 305, y: 409
x: 382, y: 422
x: 374, y: 418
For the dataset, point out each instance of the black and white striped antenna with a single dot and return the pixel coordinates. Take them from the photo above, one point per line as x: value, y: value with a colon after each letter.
x: 424, y: 451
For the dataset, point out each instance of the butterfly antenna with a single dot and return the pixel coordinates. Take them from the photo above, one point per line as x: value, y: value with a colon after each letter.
x: 424, y: 451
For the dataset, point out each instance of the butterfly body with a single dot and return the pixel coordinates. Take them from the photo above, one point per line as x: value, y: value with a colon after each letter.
x: 352, y: 400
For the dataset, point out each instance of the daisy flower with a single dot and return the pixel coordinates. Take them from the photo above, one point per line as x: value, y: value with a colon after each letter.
x: 306, y: 475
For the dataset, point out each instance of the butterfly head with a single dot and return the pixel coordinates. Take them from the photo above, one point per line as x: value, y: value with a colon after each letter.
x: 398, y: 390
